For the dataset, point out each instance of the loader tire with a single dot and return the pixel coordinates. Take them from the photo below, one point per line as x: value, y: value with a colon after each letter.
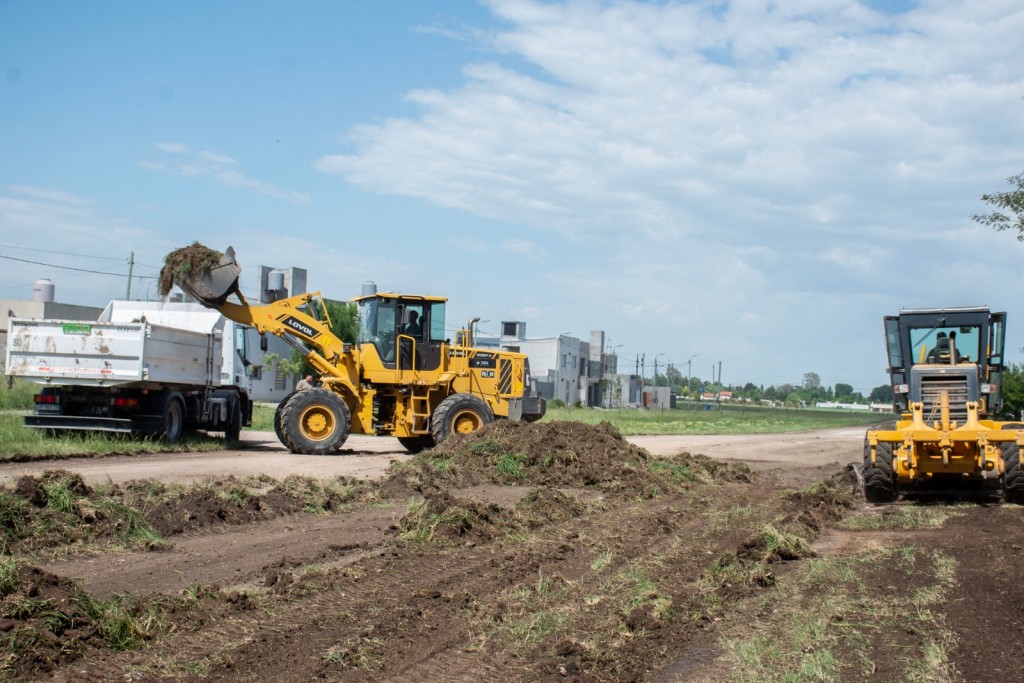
x: 1013, y: 477
x: 277, y: 416
x: 879, y: 480
x: 415, y: 444
x: 459, y: 414
x: 315, y: 422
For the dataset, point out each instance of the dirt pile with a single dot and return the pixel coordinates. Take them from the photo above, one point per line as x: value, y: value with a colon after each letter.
x: 195, y: 260
x: 59, y: 510
x: 567, y: 454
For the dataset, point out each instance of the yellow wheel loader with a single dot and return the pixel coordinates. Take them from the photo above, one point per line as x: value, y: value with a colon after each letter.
x: 945, y: 366
x: 403, y: 377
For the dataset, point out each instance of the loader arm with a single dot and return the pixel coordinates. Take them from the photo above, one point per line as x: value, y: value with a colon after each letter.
x: 285, y: 319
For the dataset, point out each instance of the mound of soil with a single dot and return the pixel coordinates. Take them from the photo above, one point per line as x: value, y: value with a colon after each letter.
x: 556, y: 454
x: 44, y: 622
x: 194, y: 259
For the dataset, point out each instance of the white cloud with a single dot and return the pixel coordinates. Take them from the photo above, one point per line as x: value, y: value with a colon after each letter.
x: 218, y: 167
x: 738, y: 172
x: 526, y: 248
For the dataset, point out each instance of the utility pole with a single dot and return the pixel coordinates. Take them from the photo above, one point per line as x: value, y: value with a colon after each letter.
x: 131, y: 267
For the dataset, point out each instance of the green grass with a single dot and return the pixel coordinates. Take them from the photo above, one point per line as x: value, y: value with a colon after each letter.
x: 723, y: 420
x: 828, y: 615
x: 18, y: 442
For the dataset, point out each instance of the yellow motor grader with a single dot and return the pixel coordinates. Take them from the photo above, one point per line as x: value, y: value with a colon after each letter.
x: 403, y: 377
x: 946, y: 368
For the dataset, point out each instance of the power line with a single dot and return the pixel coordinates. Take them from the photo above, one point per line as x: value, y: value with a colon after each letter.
x: 62, y: 253
x: 81, y: 270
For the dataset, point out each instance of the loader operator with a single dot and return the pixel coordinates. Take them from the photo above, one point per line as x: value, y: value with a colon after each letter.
x: 413, y: 328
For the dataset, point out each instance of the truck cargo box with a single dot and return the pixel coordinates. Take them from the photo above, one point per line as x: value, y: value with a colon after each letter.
x: 72, y: 352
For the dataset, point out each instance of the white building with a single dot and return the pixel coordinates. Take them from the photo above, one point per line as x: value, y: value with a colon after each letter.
x: 561, y: 367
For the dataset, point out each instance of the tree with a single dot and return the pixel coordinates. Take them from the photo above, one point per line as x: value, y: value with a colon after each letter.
x: 843, y: 391
x: 1012, y: 202
x: 881, y: 394
x: 811, y: 380
x: 1013, y: 392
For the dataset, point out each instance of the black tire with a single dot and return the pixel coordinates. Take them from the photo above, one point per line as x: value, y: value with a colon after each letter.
x: 277, y: 416
x: 879, y: 480
x: 1013, y: 477
x: 459, y: 414
x: 416, y: 444
x: 173, y: 422
x: 315, y: 422
x: 233, y: 429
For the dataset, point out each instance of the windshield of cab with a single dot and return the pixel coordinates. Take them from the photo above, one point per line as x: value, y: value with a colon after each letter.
x: 377, y: 326
x: 935, y: 344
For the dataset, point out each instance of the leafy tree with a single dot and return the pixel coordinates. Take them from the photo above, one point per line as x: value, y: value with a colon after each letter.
x: 811, y: 380
x: 1013, y: 391
x: 1011, y: 202
x: 881, y: 394
x: 843, y: 391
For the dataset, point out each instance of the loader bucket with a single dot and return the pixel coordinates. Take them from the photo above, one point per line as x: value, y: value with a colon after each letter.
x: 212, y: 287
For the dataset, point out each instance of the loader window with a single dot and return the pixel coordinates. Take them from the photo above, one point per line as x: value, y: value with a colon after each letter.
x: 377, y: 326
x: 437, y: 323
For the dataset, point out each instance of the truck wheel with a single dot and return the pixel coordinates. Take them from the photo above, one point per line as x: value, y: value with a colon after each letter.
x: 315, y: 422
x: 173, y: 419
x: 415, y: 444
x: 233, y: 429
x: 879, y: 481
x: 1013, y: 477
x: 459, y: 414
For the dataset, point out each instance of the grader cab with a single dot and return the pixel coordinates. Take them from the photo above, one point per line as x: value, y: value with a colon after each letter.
x: 946, y: 368
x: 403, y: 377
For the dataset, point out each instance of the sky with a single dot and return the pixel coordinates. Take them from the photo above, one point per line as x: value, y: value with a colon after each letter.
x: 751, y: 184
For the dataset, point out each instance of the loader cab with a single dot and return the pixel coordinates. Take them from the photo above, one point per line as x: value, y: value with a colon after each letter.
x: 958, y: 351
x: 406, y: 332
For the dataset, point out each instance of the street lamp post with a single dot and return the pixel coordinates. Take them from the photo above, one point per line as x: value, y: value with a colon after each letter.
x: 656, y: 375
x: 689, y: 361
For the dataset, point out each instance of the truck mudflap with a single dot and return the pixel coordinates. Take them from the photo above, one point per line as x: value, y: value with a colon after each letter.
x: 527, y: 408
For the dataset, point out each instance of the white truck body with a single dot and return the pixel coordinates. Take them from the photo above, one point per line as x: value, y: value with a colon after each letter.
x: 158, y: 353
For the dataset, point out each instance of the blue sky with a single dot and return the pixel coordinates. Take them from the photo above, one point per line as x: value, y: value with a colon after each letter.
x: 756, y: 183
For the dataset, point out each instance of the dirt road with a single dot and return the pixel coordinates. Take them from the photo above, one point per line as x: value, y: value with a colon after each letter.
x: 370, y: 457
x: 549, y: 552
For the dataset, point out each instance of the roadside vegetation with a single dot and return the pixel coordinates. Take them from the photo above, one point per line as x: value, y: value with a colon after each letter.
x: 19, y: 443
x: 719, y: 419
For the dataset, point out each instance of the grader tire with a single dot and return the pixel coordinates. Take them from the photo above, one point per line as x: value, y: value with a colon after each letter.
x: 879, y: 479
x: 1013, y: 477
x: 459, y: 414
x: 315, y: 422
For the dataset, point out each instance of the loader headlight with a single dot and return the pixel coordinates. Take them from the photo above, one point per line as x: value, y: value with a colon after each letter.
x: 988, y: 388
x: 901, y: 388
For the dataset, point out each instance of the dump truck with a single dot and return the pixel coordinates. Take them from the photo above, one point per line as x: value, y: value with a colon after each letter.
x: 149, y: 368
x: 403, y: 376
x: 945, y: 366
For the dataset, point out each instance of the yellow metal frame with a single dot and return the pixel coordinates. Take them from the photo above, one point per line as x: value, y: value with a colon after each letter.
x: 923, y: 449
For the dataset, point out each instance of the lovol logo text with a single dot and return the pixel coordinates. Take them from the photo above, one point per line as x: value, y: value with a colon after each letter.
x: 300, y: 327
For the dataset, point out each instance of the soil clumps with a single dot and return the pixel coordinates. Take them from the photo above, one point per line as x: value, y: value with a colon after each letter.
x: 194, y: 260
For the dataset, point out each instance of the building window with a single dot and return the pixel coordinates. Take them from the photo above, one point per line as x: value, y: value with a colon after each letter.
x: 509, y: 330
x: 513, y: 349
x: 280, y: 379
